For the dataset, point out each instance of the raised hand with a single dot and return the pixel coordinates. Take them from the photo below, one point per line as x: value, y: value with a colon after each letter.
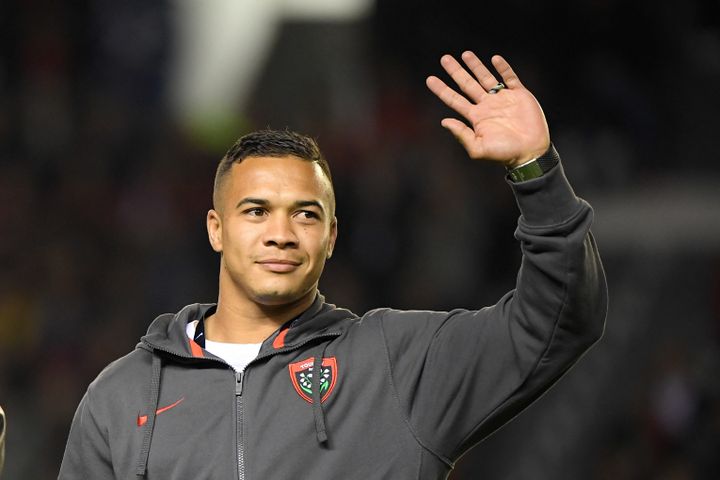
x: 506, y: 125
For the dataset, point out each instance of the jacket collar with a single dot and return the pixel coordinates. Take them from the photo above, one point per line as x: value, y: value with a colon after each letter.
x: 320, y: 319
x: 168, y: 331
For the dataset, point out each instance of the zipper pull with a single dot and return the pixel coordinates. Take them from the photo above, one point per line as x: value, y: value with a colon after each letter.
x: 238, y: 383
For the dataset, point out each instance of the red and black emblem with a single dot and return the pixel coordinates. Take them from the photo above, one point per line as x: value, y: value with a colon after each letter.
x: 301, y: 376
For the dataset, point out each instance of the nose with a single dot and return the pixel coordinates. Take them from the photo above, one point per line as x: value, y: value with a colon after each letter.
x: 279, y: 232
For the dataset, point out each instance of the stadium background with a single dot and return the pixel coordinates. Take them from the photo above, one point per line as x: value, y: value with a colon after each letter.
x: 114, y: 114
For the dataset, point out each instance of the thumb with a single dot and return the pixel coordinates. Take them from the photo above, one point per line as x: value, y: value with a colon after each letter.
x: 464, y: 134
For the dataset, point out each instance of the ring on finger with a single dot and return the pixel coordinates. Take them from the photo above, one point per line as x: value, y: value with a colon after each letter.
x: 497, y: 88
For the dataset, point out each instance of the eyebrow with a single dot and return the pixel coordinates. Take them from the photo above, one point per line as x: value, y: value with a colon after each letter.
x: 255, y: 201
x: 263, y: 202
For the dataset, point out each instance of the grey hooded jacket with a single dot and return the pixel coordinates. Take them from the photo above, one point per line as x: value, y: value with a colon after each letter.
x: 400, y: 394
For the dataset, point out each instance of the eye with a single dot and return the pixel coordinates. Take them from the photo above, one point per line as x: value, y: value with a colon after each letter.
x: 254, y: 212
x: 307, y: 216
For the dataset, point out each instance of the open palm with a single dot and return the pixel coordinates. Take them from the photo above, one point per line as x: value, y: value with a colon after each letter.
x: 508, y: 126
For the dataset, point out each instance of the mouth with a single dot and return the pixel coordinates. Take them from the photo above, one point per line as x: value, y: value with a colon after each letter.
x: 278, y: 265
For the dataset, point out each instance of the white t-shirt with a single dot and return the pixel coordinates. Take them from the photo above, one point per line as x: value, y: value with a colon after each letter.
x: 238, y: 355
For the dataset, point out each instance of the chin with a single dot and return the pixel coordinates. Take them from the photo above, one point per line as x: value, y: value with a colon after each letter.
x: 273, y: 298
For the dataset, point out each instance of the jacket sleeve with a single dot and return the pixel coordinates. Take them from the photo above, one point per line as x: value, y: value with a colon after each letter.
x: 87, y: 452
x: 460, y: 375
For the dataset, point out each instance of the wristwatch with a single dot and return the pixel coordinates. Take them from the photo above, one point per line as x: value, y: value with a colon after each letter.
x: 537, y: 167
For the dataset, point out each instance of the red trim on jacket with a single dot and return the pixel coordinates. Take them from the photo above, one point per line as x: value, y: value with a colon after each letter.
x: 279, y: 341
x: 196, y: 349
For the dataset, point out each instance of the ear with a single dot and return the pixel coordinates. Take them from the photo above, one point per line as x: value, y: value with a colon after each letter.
x: 214, y: 229
x: 333, y: 237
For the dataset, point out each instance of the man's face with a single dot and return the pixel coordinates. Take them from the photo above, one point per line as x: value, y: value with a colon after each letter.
x: 275, y: 228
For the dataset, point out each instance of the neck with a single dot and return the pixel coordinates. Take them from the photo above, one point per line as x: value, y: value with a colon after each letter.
x: 249, y: 321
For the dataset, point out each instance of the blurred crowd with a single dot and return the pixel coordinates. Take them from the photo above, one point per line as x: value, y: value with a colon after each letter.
x: 103, y: 196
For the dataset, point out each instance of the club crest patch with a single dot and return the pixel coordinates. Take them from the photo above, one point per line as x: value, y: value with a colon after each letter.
x: 301, y: 376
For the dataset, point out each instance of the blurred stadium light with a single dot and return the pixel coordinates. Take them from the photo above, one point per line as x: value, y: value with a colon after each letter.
x: 209, y: 85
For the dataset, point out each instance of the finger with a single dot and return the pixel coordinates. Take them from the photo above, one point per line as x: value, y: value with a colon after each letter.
x: 448, y: 96
x: 481, y: 72
x: 464, y: 80
x: 464, y: 134
x: 508, y: 75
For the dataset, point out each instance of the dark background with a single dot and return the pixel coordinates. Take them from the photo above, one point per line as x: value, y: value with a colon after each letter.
x: 104, y: 191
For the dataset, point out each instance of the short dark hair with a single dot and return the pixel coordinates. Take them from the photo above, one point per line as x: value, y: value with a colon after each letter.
x: 271, y: 143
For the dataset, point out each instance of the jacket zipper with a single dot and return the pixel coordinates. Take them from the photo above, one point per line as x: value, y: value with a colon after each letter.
x: 239, y: 377
x: 239, y: 425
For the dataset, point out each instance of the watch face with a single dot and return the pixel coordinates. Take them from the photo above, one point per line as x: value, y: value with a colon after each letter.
x: 530, y: 170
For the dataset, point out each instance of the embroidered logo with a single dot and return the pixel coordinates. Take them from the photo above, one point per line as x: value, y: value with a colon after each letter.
x: 301, y: 376
x: 142, y: 419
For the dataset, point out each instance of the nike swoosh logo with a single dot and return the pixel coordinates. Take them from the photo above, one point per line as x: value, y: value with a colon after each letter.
x: 142, y: 419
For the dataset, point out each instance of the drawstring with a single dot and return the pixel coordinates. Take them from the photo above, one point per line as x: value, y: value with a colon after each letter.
x: 318, y: 413
x: 152, y: 409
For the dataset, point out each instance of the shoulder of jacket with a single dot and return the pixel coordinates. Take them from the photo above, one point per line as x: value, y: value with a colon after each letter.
x: 392, y: 314
x: 132, y: 368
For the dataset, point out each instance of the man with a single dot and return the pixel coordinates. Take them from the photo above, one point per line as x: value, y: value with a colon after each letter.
x: 273, y: 383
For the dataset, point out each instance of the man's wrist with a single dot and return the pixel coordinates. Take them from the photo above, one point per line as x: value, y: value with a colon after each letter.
x: 537, y: 167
